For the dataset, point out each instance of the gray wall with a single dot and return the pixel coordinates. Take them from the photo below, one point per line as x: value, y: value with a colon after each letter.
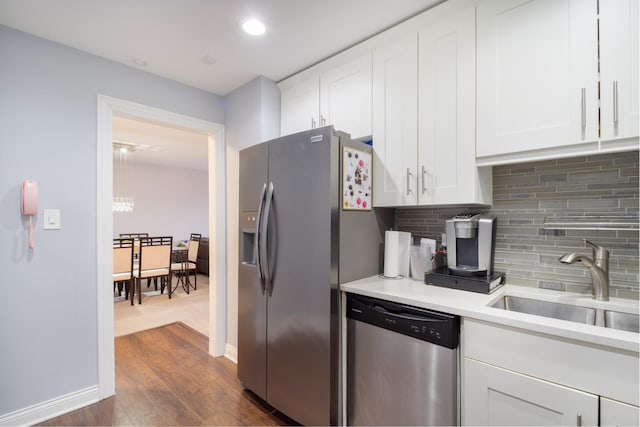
x: 524, y: 194
x: 252, y: 113
x: 253, y: 116
x: 169, y: 201
x: 48, y: 318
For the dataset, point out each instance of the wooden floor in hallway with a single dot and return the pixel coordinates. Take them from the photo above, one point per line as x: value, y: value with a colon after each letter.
x: 165, y: 376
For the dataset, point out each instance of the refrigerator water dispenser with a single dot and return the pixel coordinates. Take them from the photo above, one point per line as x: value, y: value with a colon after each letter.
x: 248, y: 221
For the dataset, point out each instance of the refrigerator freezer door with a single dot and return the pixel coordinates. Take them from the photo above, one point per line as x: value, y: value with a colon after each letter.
x: 299, y: 306
x: 252, y: 304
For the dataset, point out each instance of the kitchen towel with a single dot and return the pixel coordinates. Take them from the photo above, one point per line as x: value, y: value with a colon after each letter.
x: 397, y: 245
x: 391, y: 253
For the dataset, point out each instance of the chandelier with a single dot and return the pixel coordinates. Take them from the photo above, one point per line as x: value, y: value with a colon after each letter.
x: 123, y: 204
x: 121, y: 176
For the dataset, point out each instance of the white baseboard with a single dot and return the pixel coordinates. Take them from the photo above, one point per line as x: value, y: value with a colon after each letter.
x: 231, y: 353
x: 51, y: 408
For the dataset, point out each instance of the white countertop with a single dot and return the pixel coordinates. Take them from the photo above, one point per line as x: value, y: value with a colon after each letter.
x: 477, y: 306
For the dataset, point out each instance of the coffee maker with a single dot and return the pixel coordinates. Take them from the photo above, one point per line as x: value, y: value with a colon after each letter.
x: 470, y: 241
x: 470, y: 244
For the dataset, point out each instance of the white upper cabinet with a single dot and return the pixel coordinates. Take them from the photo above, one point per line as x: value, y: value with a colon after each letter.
x: 345, y: 97
x: 447, y: 171
x: 299, y: 107
x: 340, y: 97
x: 614, y: 413
x: 619, y: 68
x: 395, y: 127
x: 537, y: 74
x: 424, y: 134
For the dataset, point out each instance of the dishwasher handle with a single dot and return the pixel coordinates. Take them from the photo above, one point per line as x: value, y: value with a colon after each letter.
x: 427, y: 325
x: 404, y: 314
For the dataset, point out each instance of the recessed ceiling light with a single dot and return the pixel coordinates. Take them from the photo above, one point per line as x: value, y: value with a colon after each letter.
x: 253, y: 27
x: 140, y: 62
x: 208, y: 60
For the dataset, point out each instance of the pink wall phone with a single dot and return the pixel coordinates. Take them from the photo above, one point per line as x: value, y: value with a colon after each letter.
x: 29, y: 204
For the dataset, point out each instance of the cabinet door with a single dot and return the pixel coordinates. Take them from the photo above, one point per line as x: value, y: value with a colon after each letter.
x: 537, y: 74
x: 299, y: 106
x: 613, y: 413
x: 446, y: 146
x: 495, y: 396
x: 395, y: 127
x: 619, y: 68
x: 345, y: 97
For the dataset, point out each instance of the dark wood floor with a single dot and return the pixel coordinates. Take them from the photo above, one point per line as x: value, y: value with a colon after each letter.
x: 165, y: 376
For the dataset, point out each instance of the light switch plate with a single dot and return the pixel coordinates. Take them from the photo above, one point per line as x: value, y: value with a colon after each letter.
x: 51, y: 219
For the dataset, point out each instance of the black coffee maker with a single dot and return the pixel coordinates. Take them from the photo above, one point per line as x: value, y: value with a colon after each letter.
x: 471, y: 244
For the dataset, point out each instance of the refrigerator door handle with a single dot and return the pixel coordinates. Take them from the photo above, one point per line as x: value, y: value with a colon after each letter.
x: 263, y: 239
x: 256, y: 243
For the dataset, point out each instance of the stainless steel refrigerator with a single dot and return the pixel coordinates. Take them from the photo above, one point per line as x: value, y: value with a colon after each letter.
x: 298, y: 242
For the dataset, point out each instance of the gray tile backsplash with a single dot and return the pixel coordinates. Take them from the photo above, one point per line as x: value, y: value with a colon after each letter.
x: 524, y: 194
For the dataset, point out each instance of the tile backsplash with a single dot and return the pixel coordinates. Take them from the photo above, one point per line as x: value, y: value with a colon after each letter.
x: 525, y: 194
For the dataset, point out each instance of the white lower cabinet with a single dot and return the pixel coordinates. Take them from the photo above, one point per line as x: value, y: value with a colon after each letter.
x: 513, y: 376
x: 499, y: 397
x: 614, y: 413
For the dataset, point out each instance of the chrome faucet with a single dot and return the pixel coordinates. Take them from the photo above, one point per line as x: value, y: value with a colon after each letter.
x: 598, y: 267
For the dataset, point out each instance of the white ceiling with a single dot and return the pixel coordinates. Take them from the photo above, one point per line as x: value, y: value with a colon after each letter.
x: 176, y: 38
x: 161, y: 144
x: 200, y: 43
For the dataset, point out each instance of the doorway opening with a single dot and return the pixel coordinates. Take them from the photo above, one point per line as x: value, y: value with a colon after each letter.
x: 160, y: 186
x: 109, y: 107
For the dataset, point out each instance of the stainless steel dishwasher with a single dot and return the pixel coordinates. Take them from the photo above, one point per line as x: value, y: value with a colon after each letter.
x: 402, y: 364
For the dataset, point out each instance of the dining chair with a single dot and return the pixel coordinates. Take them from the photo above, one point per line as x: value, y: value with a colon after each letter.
x: 187, y: 265
x: 134, y: 235
x: 195, y: 236
x: 123, y: 265
x: 136, y: 241
x: 155, y: 262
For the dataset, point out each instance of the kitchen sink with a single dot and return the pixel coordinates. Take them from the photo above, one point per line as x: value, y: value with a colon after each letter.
x: 555, y: 310
x: 574, y: 313
x: 623, y: 321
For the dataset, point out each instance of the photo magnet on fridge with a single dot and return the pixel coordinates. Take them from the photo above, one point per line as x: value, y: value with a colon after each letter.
x: 356, y: 179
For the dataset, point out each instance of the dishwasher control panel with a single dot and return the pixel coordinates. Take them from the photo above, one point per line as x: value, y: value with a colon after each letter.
x: 427, y: 325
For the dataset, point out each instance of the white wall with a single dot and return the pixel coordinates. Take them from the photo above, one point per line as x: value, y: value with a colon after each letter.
x: 169, y: 201
x: 252, y: 116
x: 48, y: 110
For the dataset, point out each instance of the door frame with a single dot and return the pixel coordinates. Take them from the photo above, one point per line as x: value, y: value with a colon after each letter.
x: 107, y: 107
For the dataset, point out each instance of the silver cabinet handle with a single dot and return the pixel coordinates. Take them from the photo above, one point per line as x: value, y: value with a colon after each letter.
x: 424, y: 183
x: 615, y: 103
x: 583, y: 106
x: 263, y: 240
x: 409, y: 175
x: 579, y: 420
x: 256, y: 241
